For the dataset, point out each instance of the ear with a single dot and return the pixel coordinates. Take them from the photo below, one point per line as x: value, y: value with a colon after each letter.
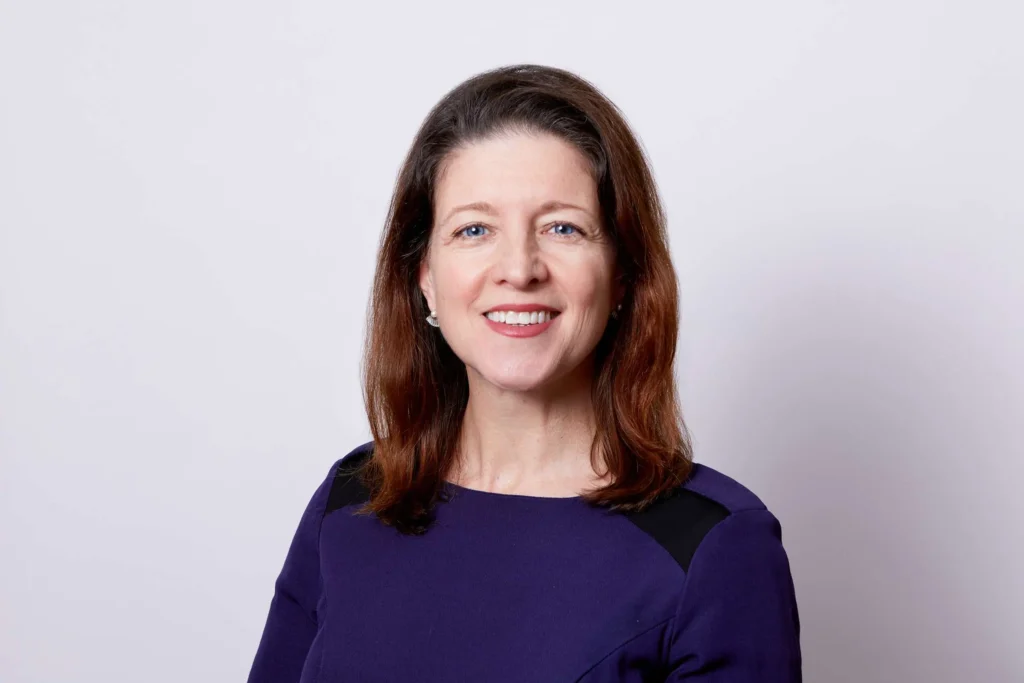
x: 426, y: 283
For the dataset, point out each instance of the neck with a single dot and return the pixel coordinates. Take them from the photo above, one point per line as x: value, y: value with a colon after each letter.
x: 535, y: 442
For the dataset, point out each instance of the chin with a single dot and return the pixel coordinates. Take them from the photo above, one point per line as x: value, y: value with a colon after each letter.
x: 515, y: 379
x: 521, y: 384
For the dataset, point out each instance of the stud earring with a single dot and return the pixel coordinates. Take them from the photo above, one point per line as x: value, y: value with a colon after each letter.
x: 432, y: 319
x: 615, y: 313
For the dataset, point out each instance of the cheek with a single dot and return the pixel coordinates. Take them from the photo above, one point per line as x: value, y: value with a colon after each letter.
x: 589, y: 280
x: 457, y: 279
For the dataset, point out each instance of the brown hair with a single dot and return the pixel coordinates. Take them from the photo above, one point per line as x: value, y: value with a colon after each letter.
x: 416, y: 388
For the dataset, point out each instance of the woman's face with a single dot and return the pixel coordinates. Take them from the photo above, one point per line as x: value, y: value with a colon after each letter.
x: 517, y: 228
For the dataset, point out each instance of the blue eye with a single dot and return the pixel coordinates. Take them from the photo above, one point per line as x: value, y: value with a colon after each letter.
x: 475, y: 226
x: 565, y: 225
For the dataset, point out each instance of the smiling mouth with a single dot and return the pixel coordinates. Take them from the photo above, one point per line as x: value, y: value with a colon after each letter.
x: 521, y: 318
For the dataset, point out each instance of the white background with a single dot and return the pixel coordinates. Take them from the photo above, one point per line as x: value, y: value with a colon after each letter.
x: 191, y: 195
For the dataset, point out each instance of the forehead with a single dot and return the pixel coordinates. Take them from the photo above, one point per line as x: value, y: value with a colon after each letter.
x: 515, y: 170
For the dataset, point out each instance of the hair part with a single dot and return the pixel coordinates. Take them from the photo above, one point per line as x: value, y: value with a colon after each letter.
x: 416, y: 389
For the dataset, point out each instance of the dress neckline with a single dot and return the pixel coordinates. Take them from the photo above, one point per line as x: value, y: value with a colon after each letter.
x: 510, y: 497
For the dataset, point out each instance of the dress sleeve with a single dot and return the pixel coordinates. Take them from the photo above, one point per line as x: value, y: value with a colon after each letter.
x: 292, y: 622
x: 737, y: 621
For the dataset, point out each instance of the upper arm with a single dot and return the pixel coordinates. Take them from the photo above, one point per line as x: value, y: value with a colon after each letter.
x: 292, y: 621
x: 737, y: 621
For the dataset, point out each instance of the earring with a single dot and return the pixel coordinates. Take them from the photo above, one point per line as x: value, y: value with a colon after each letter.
x: 615, y: 313
x: 432, y: 319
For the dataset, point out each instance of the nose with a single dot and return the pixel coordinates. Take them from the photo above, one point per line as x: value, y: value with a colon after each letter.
x: 519, y: 260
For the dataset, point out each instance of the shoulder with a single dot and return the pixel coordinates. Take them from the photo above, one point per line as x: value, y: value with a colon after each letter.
x: 736, y: 605
x: 718, y: 487
x: 681, y: 521
x: 343, y: 485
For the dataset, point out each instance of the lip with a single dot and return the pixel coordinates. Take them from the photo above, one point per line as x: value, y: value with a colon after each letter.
x: 520, y: 331
x: 521, y: 308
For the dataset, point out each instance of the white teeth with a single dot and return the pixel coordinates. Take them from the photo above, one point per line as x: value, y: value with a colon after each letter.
x: 520, y: 317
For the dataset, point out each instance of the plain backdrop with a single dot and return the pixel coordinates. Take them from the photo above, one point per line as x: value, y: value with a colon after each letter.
x: 191, y: 195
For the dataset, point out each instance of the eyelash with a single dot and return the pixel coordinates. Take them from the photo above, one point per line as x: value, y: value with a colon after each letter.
x: 460, y: 231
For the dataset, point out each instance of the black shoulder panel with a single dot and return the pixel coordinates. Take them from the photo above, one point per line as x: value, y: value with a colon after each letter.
x: 347, y: 489
x: 680, y: 522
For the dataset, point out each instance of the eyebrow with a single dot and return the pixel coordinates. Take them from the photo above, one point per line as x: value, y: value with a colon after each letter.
x: 484, y: 207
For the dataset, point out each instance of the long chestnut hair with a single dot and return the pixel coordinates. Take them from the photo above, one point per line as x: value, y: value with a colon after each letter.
x: 416, y: 388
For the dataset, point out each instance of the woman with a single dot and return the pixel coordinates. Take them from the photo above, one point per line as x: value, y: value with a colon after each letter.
x: 528, y: 509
